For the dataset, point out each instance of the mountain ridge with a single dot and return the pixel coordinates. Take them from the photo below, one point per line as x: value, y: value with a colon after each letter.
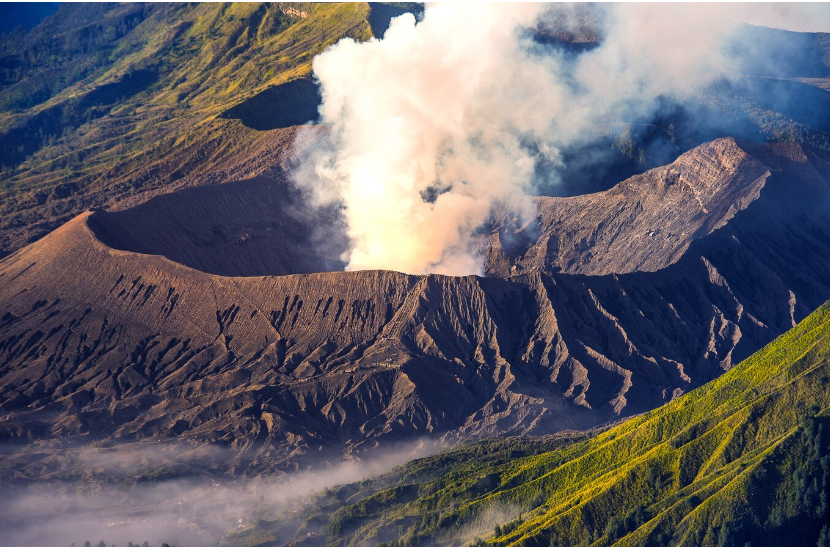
x: 149, y: 349
x: 595, y: 234
x: 110, y: 105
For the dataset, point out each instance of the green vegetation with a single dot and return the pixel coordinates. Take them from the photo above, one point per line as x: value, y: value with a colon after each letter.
x: 252, y: 537
x: 742, y: 460
x: 103, y: 101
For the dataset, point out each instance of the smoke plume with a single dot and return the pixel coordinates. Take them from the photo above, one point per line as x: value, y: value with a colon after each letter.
x: 443, y: 118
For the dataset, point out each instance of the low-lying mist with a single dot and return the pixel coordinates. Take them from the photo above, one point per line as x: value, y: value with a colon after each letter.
x: 472, y: 106
x: 165, y: 493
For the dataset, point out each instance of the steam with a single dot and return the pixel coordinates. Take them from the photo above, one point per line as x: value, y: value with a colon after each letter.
x: 484, y: 522
x: 426, y: 133
x: 444, y: 118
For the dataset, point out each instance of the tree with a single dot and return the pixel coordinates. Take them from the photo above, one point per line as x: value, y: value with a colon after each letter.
x: 824, y: 537
x: 615, y: 528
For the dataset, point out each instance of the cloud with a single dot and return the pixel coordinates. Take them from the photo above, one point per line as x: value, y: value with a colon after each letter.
x: 166, y: 493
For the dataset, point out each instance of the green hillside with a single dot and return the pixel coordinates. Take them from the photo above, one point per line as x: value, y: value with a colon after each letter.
x: 147, y: 67
x: 104, y: 101
x: 744, y: 460
x: 106, y: 105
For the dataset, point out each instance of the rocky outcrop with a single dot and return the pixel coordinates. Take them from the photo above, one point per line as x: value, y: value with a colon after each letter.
x: 104, y: 344
x: 644, y: 223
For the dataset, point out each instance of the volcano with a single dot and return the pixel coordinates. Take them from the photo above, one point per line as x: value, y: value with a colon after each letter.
x: 170, y: 321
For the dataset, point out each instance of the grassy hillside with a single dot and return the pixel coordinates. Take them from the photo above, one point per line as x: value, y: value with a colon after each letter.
x: 162, y: 61
x: 744, y: 460
x: 103, y: 101
x: 105, y: 105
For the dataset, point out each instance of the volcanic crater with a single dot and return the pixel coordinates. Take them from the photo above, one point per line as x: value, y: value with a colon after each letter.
x: 213, y: 314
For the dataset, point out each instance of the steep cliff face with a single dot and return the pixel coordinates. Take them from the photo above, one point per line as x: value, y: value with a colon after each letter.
x: 106, y: 344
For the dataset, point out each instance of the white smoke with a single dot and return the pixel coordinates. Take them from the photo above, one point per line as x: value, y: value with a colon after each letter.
x: 432, y: 107
x: 441, y: 119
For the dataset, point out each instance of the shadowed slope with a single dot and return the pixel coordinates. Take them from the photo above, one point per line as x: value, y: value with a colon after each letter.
x: 254, y: 227
x: 281, y: 106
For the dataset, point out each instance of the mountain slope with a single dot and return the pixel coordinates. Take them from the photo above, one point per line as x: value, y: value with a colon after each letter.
x: 105, y: 344
x: 108, y: 105
x: 101, y: 104
x: 651, y: 221
x: 668, y: 208
x: 745, y: 458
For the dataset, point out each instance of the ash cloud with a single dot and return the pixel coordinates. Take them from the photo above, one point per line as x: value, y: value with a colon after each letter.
x: 445, y: 117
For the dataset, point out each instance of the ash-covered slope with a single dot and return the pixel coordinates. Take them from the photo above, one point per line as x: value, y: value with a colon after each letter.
x: 104, y: 344
x: 644, y: 223
x: 260, y: 226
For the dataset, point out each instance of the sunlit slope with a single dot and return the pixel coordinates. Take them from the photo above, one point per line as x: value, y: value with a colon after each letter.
x: 103, y: 102
x: 105, y: 105
x: 745, y: 458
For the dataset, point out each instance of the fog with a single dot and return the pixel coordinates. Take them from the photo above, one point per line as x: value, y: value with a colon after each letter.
x: 166, y: 493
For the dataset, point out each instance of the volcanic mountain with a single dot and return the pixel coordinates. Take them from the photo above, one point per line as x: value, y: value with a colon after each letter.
x: 129, y: 326
x: 107, y: 105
